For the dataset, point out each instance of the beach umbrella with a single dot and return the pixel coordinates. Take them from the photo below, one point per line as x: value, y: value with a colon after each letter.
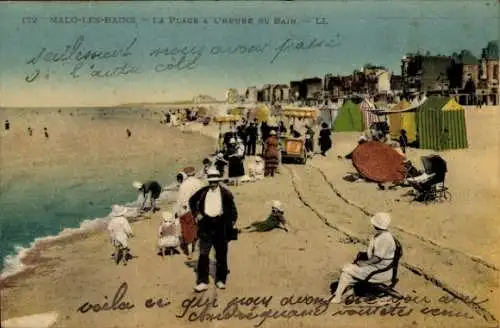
x: 378, y: 162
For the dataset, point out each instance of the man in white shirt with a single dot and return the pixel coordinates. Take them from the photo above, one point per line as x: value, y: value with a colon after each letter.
x: 215, y: 211
x: 119, y: 231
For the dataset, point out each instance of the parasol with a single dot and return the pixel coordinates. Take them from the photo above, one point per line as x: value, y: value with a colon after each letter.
x: 378, y: 162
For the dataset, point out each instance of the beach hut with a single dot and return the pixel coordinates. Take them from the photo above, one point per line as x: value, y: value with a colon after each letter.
x: 402, y: 117
x: 349, y: 118
x: 369, y: 117
x: 441, y: 124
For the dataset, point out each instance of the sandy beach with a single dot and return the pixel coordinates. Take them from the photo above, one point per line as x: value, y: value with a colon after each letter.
x: 449, y: 270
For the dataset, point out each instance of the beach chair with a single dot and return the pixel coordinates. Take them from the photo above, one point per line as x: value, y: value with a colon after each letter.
x: 367, y: 287
x: 384, y: 288
x: 430, y: 187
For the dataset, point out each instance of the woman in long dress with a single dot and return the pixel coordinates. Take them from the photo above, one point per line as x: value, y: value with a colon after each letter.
x: 271, y: 155
x: 379, y: 255
x: 325, y: 141
x: 235, y: 158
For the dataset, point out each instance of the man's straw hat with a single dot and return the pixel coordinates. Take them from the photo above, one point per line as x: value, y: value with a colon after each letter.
x: 213, y: 174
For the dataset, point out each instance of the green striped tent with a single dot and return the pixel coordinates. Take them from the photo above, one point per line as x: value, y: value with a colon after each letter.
x: 349, y: 118
x: 441, y: 124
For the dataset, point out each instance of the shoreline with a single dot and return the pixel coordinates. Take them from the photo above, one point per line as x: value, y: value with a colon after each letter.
x: 25, y: 258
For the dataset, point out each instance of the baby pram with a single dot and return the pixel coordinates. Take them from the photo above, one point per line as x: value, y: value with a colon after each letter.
x: 430, y: 186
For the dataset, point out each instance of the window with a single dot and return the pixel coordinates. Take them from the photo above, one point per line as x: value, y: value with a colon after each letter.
x: 495, y: 72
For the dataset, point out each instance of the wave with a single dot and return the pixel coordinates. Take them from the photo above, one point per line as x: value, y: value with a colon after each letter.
x: 18, y: 262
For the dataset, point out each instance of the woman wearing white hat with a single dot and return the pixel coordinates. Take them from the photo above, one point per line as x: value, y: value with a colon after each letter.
x: 275, y: 220
x: 119, y: 231
x: 168, y: 235
x: 379, y: 255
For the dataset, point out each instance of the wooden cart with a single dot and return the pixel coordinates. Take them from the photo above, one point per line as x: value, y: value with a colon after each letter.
x: 294, y: 148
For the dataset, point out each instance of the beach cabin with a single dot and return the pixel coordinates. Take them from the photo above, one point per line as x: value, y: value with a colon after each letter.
x: 367, y: 110
x: 349, y: 118
x: 401, y: 116
x: 441, y: 124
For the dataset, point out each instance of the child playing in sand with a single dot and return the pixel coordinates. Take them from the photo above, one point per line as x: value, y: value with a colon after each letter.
x: 276, y: 220
x: 119, y: 231
x: 256, y: 170
x: 168, y: 235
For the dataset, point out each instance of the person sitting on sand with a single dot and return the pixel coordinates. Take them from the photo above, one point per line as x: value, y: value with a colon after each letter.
x: 275, y: 220
x: 168, y: 235
x: 119, y: 231
x: 256, y: 171
x: 379, y: 255
x: 151, y: 188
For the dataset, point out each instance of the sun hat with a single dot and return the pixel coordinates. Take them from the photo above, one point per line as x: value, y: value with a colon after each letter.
x: 117, y: 211
x: 213, y: 174
x: 232, y: 140
x: 167, y: 216
x: 272, y: 133
x: 381, y: 220
x: 277, y: 205
x: 190, y: 171
x: 137, y: 184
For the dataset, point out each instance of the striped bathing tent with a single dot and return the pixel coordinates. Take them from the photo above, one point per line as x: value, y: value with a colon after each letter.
x: 441, y: 124
x: 402, y: 117
x: 367, y: 109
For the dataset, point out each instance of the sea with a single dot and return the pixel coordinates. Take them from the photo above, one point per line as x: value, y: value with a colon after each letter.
x: 55, y: 203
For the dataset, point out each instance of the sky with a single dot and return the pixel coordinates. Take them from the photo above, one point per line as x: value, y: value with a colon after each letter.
x: 45, y: 61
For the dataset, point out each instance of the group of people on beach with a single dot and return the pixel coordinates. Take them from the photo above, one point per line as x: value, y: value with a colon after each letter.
x: 205, y: 214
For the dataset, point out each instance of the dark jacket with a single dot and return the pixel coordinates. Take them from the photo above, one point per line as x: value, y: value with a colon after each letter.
x: 152, y: 187
x: 208, y: 228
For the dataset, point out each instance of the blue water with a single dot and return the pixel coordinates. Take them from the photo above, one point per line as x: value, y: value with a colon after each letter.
x: 41, y: 204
